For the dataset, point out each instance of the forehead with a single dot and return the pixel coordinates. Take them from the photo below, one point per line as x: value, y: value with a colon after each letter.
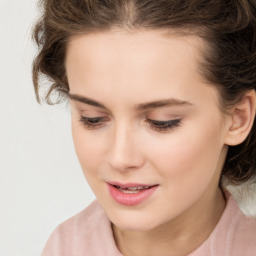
x: 138, y: 45
x: 144, y: 63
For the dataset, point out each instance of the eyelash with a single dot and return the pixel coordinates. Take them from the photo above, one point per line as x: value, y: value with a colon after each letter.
x: 163, y: 126
x: 93, y: 122
x: 160, y: 126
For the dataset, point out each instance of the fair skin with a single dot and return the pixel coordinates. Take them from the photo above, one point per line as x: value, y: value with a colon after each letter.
x: 113, y: 76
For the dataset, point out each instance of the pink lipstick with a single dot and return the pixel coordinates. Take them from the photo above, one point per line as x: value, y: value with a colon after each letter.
x: 130, y: 193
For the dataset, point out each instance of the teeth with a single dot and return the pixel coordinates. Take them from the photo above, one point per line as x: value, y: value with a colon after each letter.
x: 132, y: 189
x: 127, y: 191
x: 135, y: 188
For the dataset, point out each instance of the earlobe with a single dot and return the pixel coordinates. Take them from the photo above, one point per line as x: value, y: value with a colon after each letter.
x: 242, y: 118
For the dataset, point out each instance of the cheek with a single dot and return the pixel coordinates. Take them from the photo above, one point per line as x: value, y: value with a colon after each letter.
x: 89, y: 155
x: 86, y: 147
x: 189, y: 157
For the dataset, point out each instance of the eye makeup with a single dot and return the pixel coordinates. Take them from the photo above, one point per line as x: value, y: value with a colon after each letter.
x: 160, y: 126
x: 93, y: 122
x: 163, y: 126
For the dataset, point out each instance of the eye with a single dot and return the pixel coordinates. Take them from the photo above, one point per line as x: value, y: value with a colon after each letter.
x: 93, y: 122
x: 163, y: 126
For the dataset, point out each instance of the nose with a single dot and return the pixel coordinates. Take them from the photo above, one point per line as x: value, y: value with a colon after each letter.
x: 125, y: 151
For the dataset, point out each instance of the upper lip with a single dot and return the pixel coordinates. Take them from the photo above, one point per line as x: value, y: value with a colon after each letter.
x: 130, y: 185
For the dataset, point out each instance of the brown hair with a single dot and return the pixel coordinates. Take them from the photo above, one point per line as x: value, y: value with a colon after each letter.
x: 228, y: 27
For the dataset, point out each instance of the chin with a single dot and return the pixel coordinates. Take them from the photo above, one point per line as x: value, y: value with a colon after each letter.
x: 134, y: 221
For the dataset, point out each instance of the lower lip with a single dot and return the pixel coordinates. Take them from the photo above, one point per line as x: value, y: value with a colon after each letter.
x: 130, y: 199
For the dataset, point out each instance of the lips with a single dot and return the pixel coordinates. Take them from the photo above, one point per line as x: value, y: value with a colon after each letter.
x: 132, y: 190
x: 130, y: 193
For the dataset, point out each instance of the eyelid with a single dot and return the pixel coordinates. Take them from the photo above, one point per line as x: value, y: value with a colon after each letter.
x: 84, y: 109
x: 163, y: 116
x: 93, y: 122
x: 164, y: 126
x: 93, y: 114
x: 97, y: 122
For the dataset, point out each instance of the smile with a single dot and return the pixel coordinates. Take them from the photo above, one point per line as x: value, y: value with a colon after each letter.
x: 132, y: 190
x: 130, y: 194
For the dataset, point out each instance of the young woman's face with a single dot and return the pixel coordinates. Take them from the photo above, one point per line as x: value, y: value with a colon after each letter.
x: 147, y: 127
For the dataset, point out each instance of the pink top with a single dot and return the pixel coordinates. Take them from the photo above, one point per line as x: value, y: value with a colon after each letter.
x: 89, y: 233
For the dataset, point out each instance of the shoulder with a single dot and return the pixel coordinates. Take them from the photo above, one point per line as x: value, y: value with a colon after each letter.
x: 243, y: 234
x: 234, y: 235
x: 82, y: 222
x: 236, y: 231
x: 80, y: 235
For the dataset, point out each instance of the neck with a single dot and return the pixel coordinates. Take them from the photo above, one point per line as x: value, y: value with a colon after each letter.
x: 190, y: 229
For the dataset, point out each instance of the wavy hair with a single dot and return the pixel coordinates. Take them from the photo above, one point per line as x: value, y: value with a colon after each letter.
x: 227, y: 26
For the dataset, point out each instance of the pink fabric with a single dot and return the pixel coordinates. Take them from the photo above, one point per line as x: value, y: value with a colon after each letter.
x: 89, y: 234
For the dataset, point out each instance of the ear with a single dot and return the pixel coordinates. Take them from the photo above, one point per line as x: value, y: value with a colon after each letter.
x: 242, y: 118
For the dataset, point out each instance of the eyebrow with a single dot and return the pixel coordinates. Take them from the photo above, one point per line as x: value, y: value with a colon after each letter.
x: 86, y: 100
x: 163, y: 103
x: 140, y: 107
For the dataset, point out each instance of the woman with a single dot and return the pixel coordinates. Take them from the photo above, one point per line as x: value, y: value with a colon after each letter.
x: 163, y: 103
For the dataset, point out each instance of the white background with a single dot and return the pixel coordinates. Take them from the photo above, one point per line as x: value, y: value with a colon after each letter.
x: 41, y: 183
